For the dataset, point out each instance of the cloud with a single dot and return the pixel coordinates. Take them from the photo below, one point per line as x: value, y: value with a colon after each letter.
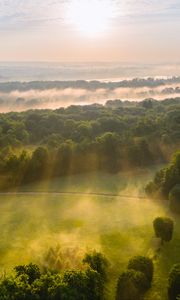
x: 37, y: 30
x: 20, y: 13
x: 151, y: 6
x: 14, y: 14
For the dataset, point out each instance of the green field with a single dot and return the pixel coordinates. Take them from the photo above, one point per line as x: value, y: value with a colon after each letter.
x: 120, y: 227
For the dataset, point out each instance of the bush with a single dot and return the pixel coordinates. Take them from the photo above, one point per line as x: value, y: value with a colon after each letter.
x: 165, y: 179
x: 174, y: 198
x: 97, y: 262
x: 32, y: 272
x: 163, y: 228
x: 142, y: 264
x: 131, y: 285
x: 174, y: 282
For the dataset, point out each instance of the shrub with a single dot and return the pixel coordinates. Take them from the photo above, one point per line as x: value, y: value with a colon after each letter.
x: 174, y: 198
x: 163, y: 228
x: 142, y: 264
x: 174, y: 283
x: 131, y: 285
x: 97, y: 262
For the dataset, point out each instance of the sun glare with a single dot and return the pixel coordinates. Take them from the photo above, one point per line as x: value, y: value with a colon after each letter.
x: 90, y: 16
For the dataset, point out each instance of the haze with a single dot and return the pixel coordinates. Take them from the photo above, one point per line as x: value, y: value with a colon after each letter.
x: 72, y: 30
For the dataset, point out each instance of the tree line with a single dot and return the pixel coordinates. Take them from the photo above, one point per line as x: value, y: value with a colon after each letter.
x: 166, y: 184
x: 114, y: 137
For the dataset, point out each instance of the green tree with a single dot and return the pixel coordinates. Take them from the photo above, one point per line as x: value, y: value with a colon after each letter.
x: 108, y: 146
x: 174, y: 282
x: 15, y: 288
x: 142, y: 264
x: 163, y: 228
x: 174, y: 198
x: 28, y: 283
x: 165, y: 179
x: 38, y: 164
x: 97, y: 262
x: 48, y: 287
x: 85, y: 285
x: 32, y: 271
x: 131, y: 285
x: 64, y: 158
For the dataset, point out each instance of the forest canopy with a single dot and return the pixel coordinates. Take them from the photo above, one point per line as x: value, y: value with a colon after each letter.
x: 112, y: 137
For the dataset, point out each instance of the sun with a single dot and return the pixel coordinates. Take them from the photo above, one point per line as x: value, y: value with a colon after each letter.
x: 90, y: 16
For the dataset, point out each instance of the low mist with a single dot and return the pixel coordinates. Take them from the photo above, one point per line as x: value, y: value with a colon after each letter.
x: 34, y: 226
x: 52, y: 95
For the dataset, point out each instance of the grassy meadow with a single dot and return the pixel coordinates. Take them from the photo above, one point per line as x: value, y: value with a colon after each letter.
x: 120, y: 227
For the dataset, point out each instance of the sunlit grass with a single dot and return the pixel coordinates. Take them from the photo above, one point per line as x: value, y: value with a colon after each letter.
x: 117, y: 226
x: 95, y: 182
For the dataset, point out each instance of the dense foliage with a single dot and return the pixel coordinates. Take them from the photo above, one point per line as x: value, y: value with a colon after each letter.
x: 174, y: 283
x: 29, y: 282
x: 150, y: 82
x: 163, y: 228
x: 174, y: 198
x: 131, y: 285
x: 116, y: 136
x: 166, y: 181
x: 134, y: 282
x: 142, y: 264
x: 97, y: 262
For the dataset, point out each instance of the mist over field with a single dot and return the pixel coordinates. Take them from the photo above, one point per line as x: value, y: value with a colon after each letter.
x: 78, y: 222
x: 24, y: 95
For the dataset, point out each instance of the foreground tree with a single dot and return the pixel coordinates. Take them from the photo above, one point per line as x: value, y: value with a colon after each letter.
x: 85, y: 285
x: 165, y: 179
x: 97, y: 262
x: 32, y: 272
x: 174, y: 283
x: 29, y: 284
x: 174, y: 199
x: 163, y: 228
x: 142, y: 264
x: 131, y: 285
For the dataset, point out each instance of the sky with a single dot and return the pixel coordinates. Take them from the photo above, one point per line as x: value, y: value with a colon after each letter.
x: 145, y: 31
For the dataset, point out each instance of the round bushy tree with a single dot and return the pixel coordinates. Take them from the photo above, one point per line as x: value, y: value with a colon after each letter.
x: 174, y: 198
x: 163, y: 228
x: 32, y: 272
x: 174, y: 283
x: 98, y: 262
x: 131, y: 285
x: 165, y: 179
x: 144, y: 265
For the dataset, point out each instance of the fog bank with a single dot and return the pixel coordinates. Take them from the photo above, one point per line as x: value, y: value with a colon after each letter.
x: 20, y: 96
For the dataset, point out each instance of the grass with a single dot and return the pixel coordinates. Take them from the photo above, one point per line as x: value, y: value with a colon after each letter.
x: 95, y: 182
x: 117, y: 226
